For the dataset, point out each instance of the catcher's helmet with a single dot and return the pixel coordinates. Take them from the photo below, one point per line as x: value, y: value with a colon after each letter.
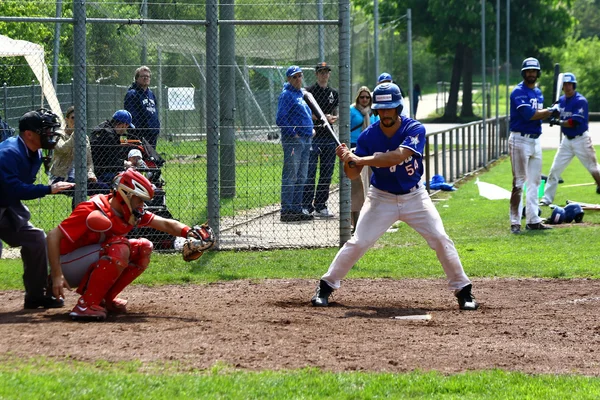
x: 573, y: 212
x: 558, y: 216
x: 43, y: 122
x: 128, y: 184
x: 530, y: 63
x: 387, y: 96
x: 569, y: 77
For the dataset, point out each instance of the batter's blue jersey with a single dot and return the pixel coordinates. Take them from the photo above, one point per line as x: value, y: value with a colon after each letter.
x: 404, y: 176
x: 575, y: 107
x: 523, y: 104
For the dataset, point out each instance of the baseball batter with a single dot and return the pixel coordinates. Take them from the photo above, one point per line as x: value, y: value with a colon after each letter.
x: 526, y: 115
x: 393, y: 148
x: 576, y: 140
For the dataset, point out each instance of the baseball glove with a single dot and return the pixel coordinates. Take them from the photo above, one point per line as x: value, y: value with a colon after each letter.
x: 200, y: 238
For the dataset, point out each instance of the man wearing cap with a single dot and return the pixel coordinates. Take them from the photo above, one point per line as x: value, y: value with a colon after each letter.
x: 295, y: 121
x: 141, y: 103
x: 107, y: 152
x: 20, y: 161
x: 322, y: 151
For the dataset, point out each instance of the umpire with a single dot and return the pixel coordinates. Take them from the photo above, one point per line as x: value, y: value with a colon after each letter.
x: 20, y: 161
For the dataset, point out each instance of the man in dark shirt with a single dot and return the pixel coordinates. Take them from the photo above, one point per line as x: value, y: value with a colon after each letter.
x: 141, y: 103
x: 107, y: 153
x: 323, y: 147
x: 20, y: 161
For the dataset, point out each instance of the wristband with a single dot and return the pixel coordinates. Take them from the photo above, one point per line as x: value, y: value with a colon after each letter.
x: 570, y: 122
x: 185, y: 231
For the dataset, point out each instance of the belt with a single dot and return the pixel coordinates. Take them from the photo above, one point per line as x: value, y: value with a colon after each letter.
x: 572, y: 137
x: 530, y: 135
x: 402, y: 193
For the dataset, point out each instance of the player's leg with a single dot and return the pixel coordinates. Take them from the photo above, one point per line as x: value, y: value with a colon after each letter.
x: 563, y: 157
x: 534, y: 174
x: 585, y: 152
x: 301, y: 173
x: 76, y: 265
x: 141, y: 250
x: 309, y: 186
x: 326, y: 167
x: 289, y: 175
x: 518, y: 161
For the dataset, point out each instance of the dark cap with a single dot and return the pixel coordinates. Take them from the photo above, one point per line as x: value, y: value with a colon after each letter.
x: 321, y: 66
x: 30, y: 121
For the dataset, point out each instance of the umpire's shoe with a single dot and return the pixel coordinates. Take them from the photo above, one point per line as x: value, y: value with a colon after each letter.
x: 43, y: 302
x: 466, y: 301
x: 321, y: 297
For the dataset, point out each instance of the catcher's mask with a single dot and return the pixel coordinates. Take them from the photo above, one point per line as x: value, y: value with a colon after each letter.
x: 43, y: 122
x: 128, y: 184
x: 387, y: 96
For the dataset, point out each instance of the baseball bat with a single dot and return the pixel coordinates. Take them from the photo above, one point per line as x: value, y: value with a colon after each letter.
x: 558, y: 88
x: 316, y: 110
x: 586, y: 206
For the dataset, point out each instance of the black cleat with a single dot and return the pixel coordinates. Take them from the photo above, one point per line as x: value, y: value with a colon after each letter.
x: 537, y: 227
x: 289, y: 217
x: 321, y: 297
x: 466, y: 301
x: 598, y: 189
x: 515, y: 229
x: 43, y: 302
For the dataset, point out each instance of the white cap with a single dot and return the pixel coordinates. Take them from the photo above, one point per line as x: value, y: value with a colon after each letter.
x: 134, y: 153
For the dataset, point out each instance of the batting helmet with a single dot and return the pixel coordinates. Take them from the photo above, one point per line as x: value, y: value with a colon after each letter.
x: 569, y: 77
x: 43, y: 122
x: 530, y: 63
x: 384, y: 77
x: 557, y: 217
x: 573, y: 212
x: 128, y: 184
x: 387, y: 96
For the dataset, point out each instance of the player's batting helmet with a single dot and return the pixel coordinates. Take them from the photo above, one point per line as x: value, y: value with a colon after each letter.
x: 530, y: 63
x: 387, y: 96
x: 569, y: 77
x: 558, y: 216
x: 573, y: 212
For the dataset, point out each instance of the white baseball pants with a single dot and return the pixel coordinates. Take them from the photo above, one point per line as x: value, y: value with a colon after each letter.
x: 526, y: 160
x: 380, y: 211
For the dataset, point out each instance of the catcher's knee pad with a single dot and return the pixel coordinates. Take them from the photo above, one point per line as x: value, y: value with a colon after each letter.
x: 117, y: 250
x: 141, y: 249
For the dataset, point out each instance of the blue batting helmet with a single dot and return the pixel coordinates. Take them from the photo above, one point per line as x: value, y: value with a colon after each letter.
x: 387, y: 96
x: 569, y: 77
x: 573, y: 212
x: 384, y: 77
x: 530, y: 63
x: 557, y: 217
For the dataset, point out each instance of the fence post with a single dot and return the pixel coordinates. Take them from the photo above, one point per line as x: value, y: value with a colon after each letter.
x: 227, y: 107
x: 33, y: 107
x: 5, y: 100
x: 80, y: 99
x: 344, y: 110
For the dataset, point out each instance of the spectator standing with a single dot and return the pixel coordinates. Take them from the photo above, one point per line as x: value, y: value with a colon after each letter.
x: 322, y: 151
x: 576, y: 141
x: 107, y: 152
x: 393, y: 148
x: 20, y: 161
x: 295, y: 121
x: 361, y: 116
x: 415, y: 98
x: 526, y: 114
x: 141, y: 103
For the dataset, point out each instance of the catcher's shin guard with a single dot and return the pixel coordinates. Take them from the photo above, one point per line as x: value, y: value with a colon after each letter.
x: 129, y: 275
x: 100, y: 280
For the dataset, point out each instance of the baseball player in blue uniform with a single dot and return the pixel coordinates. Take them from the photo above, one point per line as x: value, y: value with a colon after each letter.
x: 393, y: 148
x: 576, y: 140
x: 526, y: 115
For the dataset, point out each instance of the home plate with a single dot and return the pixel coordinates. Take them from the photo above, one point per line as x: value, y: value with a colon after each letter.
x: 421, y: 317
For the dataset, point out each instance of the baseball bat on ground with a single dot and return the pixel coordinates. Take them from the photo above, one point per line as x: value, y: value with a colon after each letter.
x: 586, y: 206
x: 316, y: 110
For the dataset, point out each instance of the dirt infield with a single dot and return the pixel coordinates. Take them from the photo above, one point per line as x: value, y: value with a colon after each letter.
x: 534, y: 326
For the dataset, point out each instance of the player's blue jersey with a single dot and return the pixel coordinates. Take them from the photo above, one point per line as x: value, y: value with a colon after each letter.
x: 523, y: 104
x: 402, y: 177
x: 575, y: 107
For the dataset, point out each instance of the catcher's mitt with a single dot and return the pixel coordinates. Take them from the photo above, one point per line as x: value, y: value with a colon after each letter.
x: 200, y: 238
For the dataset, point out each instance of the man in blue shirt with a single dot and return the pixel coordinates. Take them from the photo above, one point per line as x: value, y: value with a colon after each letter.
x: 295, y: 120
x: 526, y: 115
x: 393, y: 148
x: 20, y: 161
x: 576, y: 140
x: 141, y: 103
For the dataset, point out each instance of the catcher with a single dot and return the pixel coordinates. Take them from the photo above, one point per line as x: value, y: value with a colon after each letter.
x: 89, y: 250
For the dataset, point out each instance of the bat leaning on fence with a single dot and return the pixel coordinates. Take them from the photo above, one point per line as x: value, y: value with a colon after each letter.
x: 586, y: 206
x: 316, y: 110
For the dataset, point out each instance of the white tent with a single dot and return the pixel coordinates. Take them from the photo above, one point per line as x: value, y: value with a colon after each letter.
x: 34, y: 54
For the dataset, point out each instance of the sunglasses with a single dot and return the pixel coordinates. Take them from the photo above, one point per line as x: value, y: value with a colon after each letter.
x: 71, y: 117
x: 364, y: 97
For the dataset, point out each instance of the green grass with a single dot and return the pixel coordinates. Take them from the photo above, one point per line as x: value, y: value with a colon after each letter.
x: 39, y: 378
x: 480, y: 230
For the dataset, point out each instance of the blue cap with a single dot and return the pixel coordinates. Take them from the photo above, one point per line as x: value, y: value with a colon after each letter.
x: 384, y: 77
x: 293, y: 70
x: 123, y: 116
